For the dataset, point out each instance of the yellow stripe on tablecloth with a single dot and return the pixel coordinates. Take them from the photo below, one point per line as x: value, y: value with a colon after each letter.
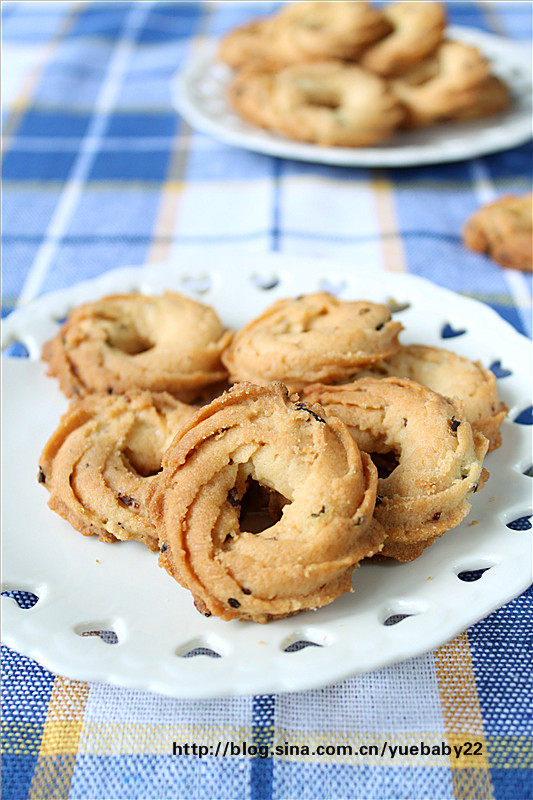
x: 162, y: 236
x: 128, y: 738
x: 53, y: 771
x: 510, y: 752
x: 463, y: 722
x: 391, y: 241
x: 22, y: 102
x: 20, y: 737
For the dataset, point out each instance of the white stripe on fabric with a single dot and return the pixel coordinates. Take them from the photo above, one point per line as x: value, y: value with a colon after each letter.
x: 88, y: 150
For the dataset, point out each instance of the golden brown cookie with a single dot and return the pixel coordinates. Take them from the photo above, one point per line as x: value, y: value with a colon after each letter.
x: 133, y: 341
x: 250, y: 94
x: 490, y: 97
x: 315, y: 337
x: 452, y: 376
x: 102, y: 458
x: 439, y: 456
x: 444, y: 86
x: 334, y: 104
x: 417, y: 30
x: 324, y: 493
x: 305, y: 31
x: 504, y: 231
x: 247, y: 43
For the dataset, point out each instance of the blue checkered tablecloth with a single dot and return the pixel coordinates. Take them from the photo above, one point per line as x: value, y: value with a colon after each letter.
x: 98, y: 172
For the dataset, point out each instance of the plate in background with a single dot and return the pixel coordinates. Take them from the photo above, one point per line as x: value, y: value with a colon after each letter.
x: 199, y: 92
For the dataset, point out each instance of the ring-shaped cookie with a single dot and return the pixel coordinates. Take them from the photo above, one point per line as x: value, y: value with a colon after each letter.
x: 307, y: 31
x: 327, y: 488
x: 440, y: 457
x: 444, y: 86
x: 124, y: 342
x: 452, y: 376
x: 101, y: 460
x: 334, y: 104
x: 316, y: 337
x: 417, y: 29
x: 246, y: 44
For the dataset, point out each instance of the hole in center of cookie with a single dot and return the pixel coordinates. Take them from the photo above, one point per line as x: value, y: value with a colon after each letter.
x: 261, y: 507
x: 319, y: 96
x: 144, y: 464
x: 129, y: 340
x: 324, y: 102
x: 385, y: 463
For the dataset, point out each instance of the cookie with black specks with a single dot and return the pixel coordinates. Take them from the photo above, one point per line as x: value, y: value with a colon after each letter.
x: 102, y: 458
x: 439, y: 456
x: 316, y: 337
x: 255, y: 439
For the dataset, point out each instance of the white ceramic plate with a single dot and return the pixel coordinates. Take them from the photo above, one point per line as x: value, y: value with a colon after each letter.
x: 84, y: 585
x: 199, y: 93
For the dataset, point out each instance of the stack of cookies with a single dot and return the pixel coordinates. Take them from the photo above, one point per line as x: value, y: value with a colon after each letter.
x: 333, y: 444
x: 349, y: 74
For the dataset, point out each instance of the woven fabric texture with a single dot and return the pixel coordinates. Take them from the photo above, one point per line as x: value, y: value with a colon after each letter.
x: 98, y: 172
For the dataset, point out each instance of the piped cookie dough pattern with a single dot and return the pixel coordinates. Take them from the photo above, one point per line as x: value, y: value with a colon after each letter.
x: 335, y: 104
x: 324, y: 491
x: 326, y: 102
x: 316, y: 30
x: 440, y: 457
x: 305, y: 31
x: 454, y: 83
x: 417, y: 29
x: 125, y: 342
x: 452, y: 376
x: 101, y: 460
x: 313, y: 338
